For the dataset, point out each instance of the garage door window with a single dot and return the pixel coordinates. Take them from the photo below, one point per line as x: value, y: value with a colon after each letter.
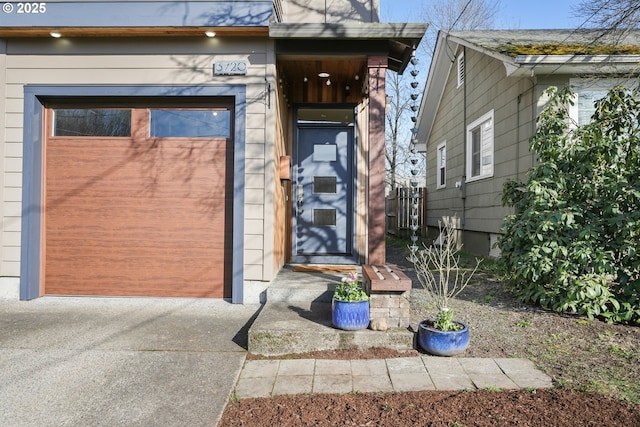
x: 91, y: 122
x: 190, y: 123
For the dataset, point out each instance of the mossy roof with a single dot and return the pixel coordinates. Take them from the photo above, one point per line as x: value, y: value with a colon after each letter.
x: 553, y: 42
x: 511, y: 49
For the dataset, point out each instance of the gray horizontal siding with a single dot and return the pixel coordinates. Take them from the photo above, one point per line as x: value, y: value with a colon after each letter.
x: 487, y: 88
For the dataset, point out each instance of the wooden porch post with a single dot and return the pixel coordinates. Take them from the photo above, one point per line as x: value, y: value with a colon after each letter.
x: 377, y: 66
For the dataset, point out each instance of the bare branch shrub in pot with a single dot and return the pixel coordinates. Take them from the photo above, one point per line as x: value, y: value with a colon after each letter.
x: 440, y: 273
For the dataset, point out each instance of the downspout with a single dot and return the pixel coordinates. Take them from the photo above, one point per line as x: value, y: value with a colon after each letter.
x: 463, y: 187
x: 533, y: 127
x: 519, y: 99
x: 534, y: 112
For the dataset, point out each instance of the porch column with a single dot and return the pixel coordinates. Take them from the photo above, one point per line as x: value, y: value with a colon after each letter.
x: 377, y: 66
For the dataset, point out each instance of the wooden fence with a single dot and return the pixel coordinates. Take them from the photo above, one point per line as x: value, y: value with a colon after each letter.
x: 398, y: 210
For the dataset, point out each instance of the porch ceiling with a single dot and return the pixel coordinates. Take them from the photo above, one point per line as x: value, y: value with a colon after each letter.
x: 342, y: 71
x: 301, y: 82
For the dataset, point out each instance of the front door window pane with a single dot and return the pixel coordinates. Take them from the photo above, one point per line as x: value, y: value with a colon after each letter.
x: 325, y: 153
x: 325, y: 184
x: 324, y: 217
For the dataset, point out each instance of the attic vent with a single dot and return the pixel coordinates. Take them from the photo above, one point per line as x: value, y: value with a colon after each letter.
x: 460, y: 69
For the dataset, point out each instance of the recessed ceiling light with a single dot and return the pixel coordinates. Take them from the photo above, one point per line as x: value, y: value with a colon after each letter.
x: 55, y: 34
x: 210, y: 33
x: 323, y: 74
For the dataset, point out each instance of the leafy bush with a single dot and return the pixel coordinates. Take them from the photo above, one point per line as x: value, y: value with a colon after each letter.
x: 572, y: 243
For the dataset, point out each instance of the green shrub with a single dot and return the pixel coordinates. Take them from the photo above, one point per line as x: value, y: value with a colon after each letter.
x: 571, y: 244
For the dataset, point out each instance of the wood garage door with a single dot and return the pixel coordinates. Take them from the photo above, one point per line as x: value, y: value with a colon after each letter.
x: 143, y: 211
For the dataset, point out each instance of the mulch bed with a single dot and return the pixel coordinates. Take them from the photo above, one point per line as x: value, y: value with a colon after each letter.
x: 550, y: 407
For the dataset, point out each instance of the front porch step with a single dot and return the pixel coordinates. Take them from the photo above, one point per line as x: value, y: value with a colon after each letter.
x: 300, y: 286
x: 299, y: 327
x: 296, y: 318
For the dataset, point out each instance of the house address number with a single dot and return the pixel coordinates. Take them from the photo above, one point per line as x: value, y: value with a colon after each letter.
x: 25, y: 8
x: 235, y: 67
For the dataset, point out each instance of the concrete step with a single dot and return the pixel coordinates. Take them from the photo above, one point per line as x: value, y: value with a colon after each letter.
x: 301, y: 293
x: 296, y: 318
x: 301, y: 327
x: 296, y: 286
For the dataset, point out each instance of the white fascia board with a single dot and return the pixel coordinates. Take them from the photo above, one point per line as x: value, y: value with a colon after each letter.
x: 489, y: 52
x: 577, y: 64
x: 510, y: 65
x: 561, y: 59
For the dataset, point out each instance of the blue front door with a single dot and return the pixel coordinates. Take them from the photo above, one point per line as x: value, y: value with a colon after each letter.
x: 323, y: 211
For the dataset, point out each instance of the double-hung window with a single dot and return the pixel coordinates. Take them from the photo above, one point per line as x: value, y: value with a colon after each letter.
x: 480, y: 148
x: 441, y: 178
x: 587, y: 92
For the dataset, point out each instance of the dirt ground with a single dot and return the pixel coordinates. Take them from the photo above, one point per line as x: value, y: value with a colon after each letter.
x: 595, y: 367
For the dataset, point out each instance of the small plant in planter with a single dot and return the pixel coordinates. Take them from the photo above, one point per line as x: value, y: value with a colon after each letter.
x: 440, y: 274
x: 350, y: 304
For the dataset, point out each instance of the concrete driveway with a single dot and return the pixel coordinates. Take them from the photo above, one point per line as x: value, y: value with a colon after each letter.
x: 119, y: 361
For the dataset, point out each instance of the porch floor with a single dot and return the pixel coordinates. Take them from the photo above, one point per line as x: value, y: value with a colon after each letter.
x: 296, y: 318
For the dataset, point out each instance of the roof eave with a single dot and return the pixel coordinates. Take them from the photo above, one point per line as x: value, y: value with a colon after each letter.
x: 402, y: 38
x: 368, y: 31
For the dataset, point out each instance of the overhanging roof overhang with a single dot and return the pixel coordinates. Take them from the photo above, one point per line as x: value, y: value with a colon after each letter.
x: 135, y: 18
x: 397, y: 41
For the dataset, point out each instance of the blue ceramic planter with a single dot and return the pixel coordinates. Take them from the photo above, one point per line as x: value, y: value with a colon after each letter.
x: 350, y: 315
x: 440, y: 343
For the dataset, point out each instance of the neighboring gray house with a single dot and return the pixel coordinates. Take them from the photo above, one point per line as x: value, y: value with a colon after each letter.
x: 483, y: 94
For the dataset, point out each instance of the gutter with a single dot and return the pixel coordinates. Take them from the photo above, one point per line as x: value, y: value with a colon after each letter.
x: 576, y: 64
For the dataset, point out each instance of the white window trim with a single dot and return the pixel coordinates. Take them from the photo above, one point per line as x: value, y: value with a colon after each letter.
x: 439, y: 166
x: 489, y: 172
x: 460, y: 68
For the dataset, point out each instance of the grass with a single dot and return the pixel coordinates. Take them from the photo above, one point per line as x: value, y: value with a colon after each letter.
x: 621, y: 352
x: 599, y: 367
